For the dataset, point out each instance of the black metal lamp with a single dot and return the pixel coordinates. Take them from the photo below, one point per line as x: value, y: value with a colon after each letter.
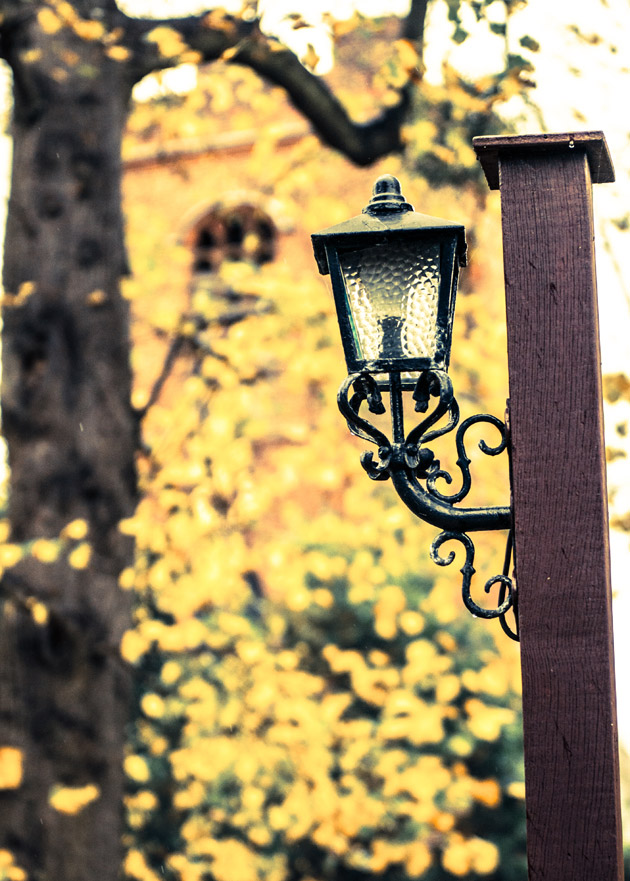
x: 394, y: 277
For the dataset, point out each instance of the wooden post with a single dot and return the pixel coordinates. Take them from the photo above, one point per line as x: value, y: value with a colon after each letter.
x: 559, y: 501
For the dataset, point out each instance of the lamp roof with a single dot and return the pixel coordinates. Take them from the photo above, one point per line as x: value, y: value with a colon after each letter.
x: 386, y: 214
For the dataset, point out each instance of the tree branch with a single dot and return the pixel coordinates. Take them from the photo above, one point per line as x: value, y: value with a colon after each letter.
x: 209, y: 35
x: 414, y: 23
x: 241, y: 42
x: 363, y: 143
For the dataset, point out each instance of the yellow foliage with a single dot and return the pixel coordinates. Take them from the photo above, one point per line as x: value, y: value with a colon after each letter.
x: 136, y: 866
x: 79, y: 557
x: 89, y: 29
x: 308, y: 685
x: 48, y: 21
x: 9, y: 871
x: 30, y: 56
x: 137, y: 768
x: 487, y: 722
x: 488, y: 792
x: 39, y: 612
x: 10, y: 767
x: 118, y: 53
x: 517, y: 789
x: 169, y: 42
x: 72, y: 799
x: 152, y: 705
x: 75, y: 530
x: 45, y: 550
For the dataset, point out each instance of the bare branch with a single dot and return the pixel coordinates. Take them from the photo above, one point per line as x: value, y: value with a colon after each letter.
x: 414, y: 23
x: 209, y: 35
x: 242, y: 42
x: 363, y: 143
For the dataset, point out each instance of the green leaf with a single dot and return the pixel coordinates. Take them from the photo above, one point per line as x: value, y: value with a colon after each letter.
x: 459, y: 35
x: 530, y: 43
x: 622, y: 223
x: 517, y: 61
x: 498, y: 28
x: 453, y: 11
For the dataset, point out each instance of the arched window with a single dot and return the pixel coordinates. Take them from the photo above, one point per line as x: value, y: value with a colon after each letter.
x: 239, y: 232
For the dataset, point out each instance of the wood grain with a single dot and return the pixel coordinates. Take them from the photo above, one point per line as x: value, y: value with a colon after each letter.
x: 561, y: 517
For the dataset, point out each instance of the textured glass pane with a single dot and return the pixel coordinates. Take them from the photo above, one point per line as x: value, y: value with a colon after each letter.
x: 393, y: 299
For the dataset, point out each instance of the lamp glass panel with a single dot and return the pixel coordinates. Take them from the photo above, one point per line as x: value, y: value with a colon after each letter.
x: 392, y: 292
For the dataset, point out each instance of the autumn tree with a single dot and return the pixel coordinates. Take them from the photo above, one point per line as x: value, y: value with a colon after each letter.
x: 70, y: 428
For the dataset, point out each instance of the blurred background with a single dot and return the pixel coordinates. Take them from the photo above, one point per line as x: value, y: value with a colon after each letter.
x: 310, y: 698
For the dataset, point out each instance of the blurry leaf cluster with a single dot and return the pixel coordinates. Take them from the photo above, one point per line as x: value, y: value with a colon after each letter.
x: 311, y: 701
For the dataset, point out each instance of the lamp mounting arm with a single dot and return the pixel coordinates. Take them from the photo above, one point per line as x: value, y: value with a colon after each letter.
x: 414, y: 470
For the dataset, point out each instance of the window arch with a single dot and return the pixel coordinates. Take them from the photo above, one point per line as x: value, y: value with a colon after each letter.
x: 232, y: 233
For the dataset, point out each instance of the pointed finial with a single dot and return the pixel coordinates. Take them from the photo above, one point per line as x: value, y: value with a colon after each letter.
x: 387, y: 196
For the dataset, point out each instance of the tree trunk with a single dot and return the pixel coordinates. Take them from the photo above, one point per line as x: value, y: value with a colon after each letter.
x: 70, y: 432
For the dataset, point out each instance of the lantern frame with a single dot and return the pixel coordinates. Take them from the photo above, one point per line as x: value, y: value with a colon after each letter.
x: 388, y: 219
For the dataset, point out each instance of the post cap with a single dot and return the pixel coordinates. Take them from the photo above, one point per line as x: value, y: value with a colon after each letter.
x: 492, y: 148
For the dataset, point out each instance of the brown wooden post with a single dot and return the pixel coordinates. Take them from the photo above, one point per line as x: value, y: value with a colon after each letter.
x: 559, y: 501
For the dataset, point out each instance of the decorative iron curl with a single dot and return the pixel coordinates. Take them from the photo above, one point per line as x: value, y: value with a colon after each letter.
x: 463, y: 462
x: 433, y: 383
x: 365, y: 389
x: 507, y: 597
x: 414, y: 470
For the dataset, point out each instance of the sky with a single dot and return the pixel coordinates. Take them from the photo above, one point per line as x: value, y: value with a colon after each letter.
x: 582, y: 80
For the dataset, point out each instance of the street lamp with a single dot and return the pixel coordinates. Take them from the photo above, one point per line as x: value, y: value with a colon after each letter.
x: 394, y: 277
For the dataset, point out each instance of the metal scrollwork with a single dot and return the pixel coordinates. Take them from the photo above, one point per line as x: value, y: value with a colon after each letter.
x: 463, y: 462
x: 414, y: 470
x: 507, y: 592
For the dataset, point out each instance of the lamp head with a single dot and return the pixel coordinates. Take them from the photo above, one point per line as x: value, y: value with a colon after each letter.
x: 394, y: 277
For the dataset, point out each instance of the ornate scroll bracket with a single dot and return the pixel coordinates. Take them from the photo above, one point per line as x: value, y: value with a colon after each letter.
x: 414, y: 470
x: 507, y: 589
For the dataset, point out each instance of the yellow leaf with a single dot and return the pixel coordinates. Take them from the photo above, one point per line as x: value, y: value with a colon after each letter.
x: 72, y: 799
x: 516, y: 789
x: 152, y: 705
x: 79, y: 558
x: 70, y: 57
x: 484, y: 856
x: 76, y: 529
x: 168, y: 41
x: 39, y: 612
x: 45, y: 550
x: 98, y: 297
x: 487, y: 792
x: 218, y: 20
x: 88, y: 29
x: 10, y: 554
x: 66, y: 11
x: 118, y: 53
x: 30, y: 56
x: 48, y: 21
x: 136, y: 768
x: 10, y: 767
x: 407, y: 55
x: 127, y: 578
x: 133, y: 646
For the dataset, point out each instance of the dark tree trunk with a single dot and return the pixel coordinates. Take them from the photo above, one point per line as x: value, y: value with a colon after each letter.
x: 70, y: 432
